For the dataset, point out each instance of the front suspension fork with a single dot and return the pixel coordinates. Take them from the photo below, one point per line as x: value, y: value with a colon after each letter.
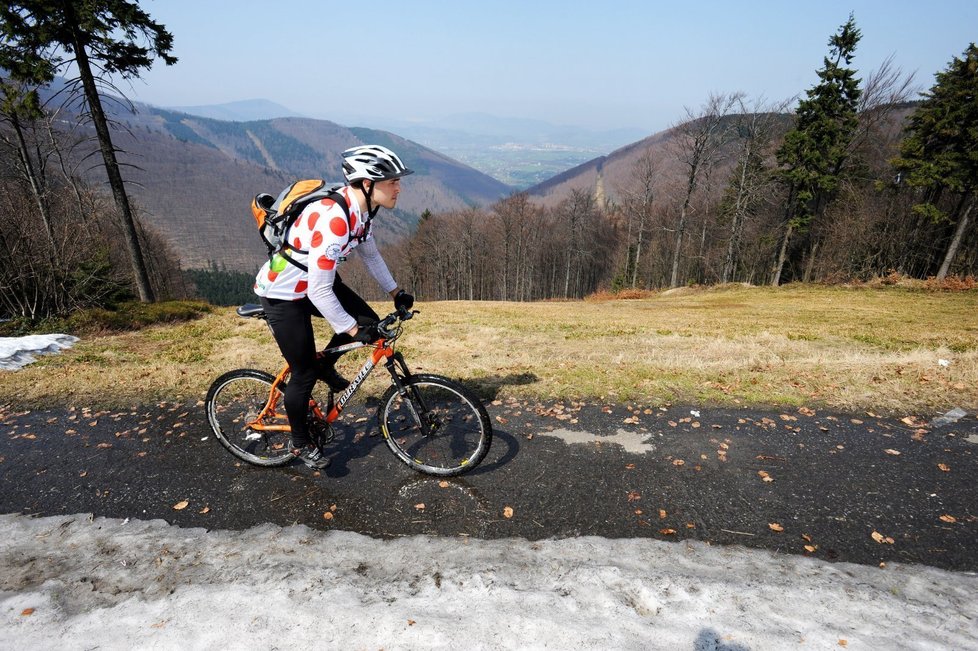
x: 399, y: 371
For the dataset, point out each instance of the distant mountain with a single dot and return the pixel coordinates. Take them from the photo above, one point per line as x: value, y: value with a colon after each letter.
x: 193, y: 178
x: 241, y: 111
x: 519, y: 130
x: 518, y: 152
x: 608, y: 177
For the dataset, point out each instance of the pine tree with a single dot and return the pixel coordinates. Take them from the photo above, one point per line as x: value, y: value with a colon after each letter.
x: 101, y: 37
x: 814, y: 153
x: 939, y: 155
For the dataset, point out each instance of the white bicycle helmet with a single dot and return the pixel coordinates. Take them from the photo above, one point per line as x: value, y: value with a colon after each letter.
x: 374, y: 163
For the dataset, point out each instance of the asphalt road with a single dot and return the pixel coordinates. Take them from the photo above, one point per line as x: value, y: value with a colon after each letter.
x: 841, y: 487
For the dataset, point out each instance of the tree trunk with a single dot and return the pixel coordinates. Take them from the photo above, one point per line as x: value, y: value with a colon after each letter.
x: 140, y: 274
x: 36, y: 183
x: 810, y: 265
x: 638, y: 251
x: 680, y: 229
x: 782, y: 254
x: 728, y: 263
x: 952, y: 249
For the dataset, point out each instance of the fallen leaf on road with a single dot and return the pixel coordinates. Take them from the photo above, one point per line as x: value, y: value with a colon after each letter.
x: 508, y: 512
x: 443, y: 484
x: 630, y: 466
x: 811, y: 549
x: 667, y: 532
x: 881, y: 539
x: 634, y: 496
x: 805, y: 411
x: 419, y: 506
x: 948, y: 518
x: 327, y: 516
x: 179, y: 506
x: 944, y: 467
x: 679, y: 462
x: 662, y: 514
x: 774, y: 526
x: 895, y: 453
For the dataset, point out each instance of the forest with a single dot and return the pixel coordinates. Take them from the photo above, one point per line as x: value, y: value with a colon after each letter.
x: 861, y: 178
x: 859, y: 181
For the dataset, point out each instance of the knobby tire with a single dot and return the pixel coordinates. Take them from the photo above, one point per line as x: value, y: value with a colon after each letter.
x: 458, y: 431
x: 236, y: 398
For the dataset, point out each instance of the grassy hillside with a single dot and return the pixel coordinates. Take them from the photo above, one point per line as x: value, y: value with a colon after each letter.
x: 193, y: 178
x: 893, y: 350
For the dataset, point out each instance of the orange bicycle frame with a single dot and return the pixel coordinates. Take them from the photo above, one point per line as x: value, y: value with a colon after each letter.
x: 269, y: 410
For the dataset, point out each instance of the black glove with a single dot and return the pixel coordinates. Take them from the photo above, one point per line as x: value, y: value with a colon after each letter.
x: 403, y: 301
x: 367, y: 333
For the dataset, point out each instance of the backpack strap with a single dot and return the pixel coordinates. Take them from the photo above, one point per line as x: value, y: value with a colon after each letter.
x: 299, y: 206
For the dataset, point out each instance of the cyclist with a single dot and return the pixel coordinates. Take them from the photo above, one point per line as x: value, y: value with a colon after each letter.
x: 291, y: 296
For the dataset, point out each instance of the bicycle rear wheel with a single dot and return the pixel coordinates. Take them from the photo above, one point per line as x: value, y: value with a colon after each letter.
x: 437, y: 427
x: 236, y: 399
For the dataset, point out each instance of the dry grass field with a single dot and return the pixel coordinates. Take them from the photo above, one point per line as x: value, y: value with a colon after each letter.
x: 886, y: 350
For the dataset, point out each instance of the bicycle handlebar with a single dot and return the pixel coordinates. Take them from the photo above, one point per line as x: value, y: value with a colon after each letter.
x: 384, y: 325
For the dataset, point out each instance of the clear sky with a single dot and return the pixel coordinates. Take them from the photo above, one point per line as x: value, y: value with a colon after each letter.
x: 578, y: 62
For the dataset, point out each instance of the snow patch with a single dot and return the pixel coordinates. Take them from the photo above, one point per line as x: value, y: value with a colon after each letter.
x: 16, y: 352
x: 81, y: 582
x: 632, y: 442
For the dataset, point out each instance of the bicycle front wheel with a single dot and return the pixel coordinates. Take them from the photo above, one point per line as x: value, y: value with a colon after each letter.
x: 233, y: 404
x: 437, y: 427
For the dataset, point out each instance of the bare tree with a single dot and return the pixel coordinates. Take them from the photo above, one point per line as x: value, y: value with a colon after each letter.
x: 639, y: 196
x: 699, y: 143
x: 757, y: 126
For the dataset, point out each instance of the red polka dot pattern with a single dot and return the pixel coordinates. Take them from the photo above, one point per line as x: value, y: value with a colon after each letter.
x: 301, y: 286
x: 338, y: 226
x: 325, y: 263
x: 317, y: 239
x: 313, y: 218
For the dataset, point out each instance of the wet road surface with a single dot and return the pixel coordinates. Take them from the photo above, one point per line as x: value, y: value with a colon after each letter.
x: 855, y: 488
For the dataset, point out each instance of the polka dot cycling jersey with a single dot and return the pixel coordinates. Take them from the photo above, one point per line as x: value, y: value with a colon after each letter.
x: 323, y: 233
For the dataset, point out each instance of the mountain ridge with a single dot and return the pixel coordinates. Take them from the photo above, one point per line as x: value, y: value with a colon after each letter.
x: 193, y: 177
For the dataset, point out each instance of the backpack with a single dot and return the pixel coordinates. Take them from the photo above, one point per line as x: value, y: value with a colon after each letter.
x: 275, y: 216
